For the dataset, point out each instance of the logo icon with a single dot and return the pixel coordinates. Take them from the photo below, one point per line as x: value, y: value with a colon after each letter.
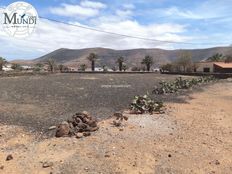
x: 19, y: 19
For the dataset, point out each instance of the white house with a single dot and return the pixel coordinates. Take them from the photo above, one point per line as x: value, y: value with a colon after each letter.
x: 156, y: 70
x: 7, y: 67
x: 205, y: 67
x: 26, y: 67
x: 210, y: 67
x: 97, y: 69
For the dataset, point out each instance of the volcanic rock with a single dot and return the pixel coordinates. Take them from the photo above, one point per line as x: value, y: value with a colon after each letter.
x: 63, y: 129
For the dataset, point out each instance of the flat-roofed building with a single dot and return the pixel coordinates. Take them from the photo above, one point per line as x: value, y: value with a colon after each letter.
x: 206, y: 67
x: 210, y: 67
x: 221, y: 67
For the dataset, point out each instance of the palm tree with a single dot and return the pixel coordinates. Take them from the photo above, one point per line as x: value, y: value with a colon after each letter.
x: 92, y: 58
x: 148, y: 61
x: 216, y: 58
x: 51, y: 65
x: 2, y: 63
x: 120, y: 61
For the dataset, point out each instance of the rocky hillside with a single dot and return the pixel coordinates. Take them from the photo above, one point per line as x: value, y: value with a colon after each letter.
x: 133, y: 57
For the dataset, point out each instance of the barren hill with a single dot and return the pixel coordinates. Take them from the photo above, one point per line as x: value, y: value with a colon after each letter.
x: 132, y: 57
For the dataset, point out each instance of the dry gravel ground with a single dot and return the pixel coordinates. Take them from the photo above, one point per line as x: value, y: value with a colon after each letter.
x: 193, y: 137
x: 40, y: 101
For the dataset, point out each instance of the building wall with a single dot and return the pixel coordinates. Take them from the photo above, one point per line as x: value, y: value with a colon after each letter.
x: 222, y: 70
x: 202, y: 65
x: 7, y: 67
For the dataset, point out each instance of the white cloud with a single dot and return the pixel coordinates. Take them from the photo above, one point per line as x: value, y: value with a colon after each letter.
x: 124, y: 13
x: 50, y: 36
x: 85, y: 9
x: 128, y: 6
x: 208, y: 9
x: 92, y: 4
x: 182, y: 13
x: 74, y: 10
x: 2, y: 9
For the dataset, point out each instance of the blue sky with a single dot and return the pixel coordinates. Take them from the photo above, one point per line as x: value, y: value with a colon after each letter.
x: 205, y: 23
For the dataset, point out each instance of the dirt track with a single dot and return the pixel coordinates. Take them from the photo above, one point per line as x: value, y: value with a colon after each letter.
x: 191, y: 138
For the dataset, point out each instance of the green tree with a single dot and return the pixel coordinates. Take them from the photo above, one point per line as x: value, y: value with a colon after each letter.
x: 216, y: 58
x: 92, y: 58
x: 38, y: 67
x: 51, y: 65
x: 184, y: 61
x: 16, y: 66
x: 83, y: 67
x: 62, y: 67
x: 2, y: 63
x: 148, y: 62
x: 105, y: 68
x: 124, y: 67
x: 114, y: 68
x: 167, y: 67
x: 120, y: 61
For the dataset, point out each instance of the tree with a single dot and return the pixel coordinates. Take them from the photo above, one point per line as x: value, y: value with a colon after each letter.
x: 51, y: 65
x: 143, y: 68
x: 38, y: 67
x: 16, y: 66
x: 83, y: 67
x: 228, y: 59
x: 120, y: 61
x: 184, y: 61
x: 105, y: 68
x: 92, y: 58
x: 62, y: 67
x: 2, y: 63
x: 167, y: 67
x: 195, y: 66
x: 124, y: 67
x: 114, y: 68
x: 148, y: 62
x: 216, y: 57
x: 135, y: 68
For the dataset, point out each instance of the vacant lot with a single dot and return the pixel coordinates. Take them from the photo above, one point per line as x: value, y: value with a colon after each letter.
x: 41, y: 101
x: 192, y: 137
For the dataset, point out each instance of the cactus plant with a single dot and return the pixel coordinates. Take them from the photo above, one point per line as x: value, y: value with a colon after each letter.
x: 144, y: 104
x: 180, y: 83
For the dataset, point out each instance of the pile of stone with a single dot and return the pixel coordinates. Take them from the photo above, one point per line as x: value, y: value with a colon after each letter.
x: 80, y: 125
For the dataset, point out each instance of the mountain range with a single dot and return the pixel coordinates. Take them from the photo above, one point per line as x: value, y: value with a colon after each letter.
x: 75, y: 57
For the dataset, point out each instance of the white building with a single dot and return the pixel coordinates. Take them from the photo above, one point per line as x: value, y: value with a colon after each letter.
x: 205, y: 67
x: 26, y: 67
x: 156, y: 70
x: 210, y: 67
x: 97, y: 69
x: 7, y: 67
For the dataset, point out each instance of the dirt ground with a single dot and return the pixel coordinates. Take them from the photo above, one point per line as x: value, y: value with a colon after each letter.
x: 192, y: 137
x: 40, y: 101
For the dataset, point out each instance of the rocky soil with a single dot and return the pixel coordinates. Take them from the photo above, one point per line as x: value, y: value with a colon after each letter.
x: 38, y: 102
x: 192, y: 137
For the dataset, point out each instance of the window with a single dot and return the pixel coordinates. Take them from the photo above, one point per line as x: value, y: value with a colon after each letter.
x: 206, y: 70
